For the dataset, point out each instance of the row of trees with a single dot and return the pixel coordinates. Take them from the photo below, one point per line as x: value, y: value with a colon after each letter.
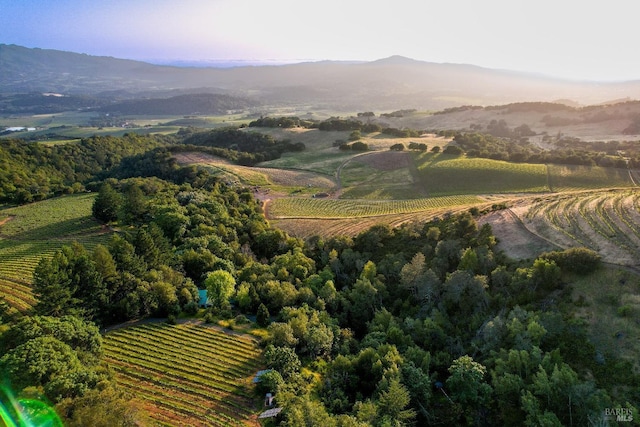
x: 418, y: 146
x: 250, y: 147
x: 338, y: 124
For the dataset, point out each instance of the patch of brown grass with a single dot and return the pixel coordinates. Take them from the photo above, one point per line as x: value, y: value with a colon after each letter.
x: 386, y: 160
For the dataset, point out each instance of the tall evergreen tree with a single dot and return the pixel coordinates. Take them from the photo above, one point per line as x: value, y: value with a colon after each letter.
x: 107, y: 204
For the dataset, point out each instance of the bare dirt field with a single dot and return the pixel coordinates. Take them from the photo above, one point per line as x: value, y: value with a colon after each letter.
x: 189, y: 158
x: 386, y: 160
x: 514, y: 239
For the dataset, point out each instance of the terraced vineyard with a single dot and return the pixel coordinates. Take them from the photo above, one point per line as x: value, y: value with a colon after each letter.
x: 605, y: 221
x: 17, y: 295
x: 332, y: 227
x: 345, y: 208
x: 187, y: 374
x: 37, y: 230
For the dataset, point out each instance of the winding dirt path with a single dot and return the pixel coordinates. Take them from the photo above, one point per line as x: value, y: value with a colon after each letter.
x: 338, y: 192
x: 6, y: 220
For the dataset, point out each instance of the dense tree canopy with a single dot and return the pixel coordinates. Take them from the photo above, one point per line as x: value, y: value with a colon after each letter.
x: 426, y: 323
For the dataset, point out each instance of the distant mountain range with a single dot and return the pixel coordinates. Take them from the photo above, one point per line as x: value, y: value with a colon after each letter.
x: 385, y: 84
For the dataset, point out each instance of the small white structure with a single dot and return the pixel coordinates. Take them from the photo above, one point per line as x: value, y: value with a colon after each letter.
x: 270, y: 413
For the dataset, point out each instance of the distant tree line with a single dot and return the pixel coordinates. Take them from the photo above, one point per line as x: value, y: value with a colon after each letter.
x: 337, y: 124
x: 399, y: 113
x: 249, y: 148
x: 281, y: 122
x: 201, y: 103
x: 38, y: 103
x: 567, y: 152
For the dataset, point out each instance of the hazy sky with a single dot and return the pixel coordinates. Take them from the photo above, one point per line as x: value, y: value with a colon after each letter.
x: 586, y: 39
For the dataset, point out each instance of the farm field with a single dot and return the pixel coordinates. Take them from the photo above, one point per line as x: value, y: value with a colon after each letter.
x: 187, y: 374
x: 37, y: 230
x: 74, y: 124
x: 380, y: 175
x: 319, y: 155
x: 307, y: 227
x: 390, y: 187
x: 572, y: 177
x: 444, y: 174
x: 327, y: 208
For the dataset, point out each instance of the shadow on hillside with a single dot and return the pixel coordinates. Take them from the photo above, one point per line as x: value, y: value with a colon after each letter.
x: 62, y: 230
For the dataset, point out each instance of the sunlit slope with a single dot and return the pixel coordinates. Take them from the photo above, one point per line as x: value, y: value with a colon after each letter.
x: 442, y: 175
x: 186, y: 374
x: 341, y: 208
x: 37, y: 230
x: 605, y: 221
x: 445, y: 175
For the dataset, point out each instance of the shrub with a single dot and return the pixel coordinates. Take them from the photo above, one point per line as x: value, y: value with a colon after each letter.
x: 576, y: 260
x: 453, y: 149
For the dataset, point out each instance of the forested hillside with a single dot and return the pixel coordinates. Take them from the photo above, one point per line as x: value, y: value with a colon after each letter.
x: 424, y: 324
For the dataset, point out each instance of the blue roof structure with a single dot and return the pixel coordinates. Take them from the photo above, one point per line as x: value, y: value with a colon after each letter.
x: 203, y: 300
x: 256, y: 379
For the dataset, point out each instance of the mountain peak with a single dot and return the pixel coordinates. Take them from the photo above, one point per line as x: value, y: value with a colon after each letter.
x: 396, y: 60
